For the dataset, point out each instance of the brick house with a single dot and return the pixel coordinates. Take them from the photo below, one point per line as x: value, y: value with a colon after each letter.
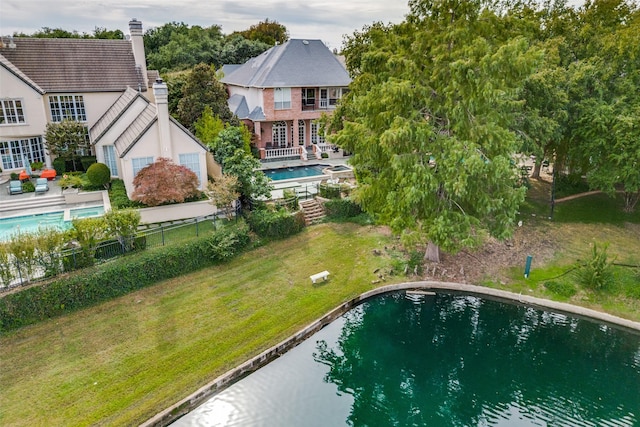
x: 283, y: 92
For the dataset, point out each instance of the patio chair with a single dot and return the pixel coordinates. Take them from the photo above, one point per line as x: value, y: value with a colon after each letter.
x: 15, y: 187
x: 41, y: 185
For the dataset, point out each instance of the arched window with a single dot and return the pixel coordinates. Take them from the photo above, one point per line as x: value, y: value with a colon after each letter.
x: 280, y: 134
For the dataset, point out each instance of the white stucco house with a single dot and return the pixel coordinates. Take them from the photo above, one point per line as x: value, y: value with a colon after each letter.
x: 101, y: 83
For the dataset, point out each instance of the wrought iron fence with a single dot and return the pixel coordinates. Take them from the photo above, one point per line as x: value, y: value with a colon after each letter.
x: 23, y: 270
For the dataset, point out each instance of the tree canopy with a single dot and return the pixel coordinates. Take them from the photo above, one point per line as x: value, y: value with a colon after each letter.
x: 428, y: 119
x: 177, y: 46
x: 67, y: 139
x: 202, y: 89
x: 164, y: 182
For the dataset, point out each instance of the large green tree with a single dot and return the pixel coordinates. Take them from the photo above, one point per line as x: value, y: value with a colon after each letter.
x: 231, y: 148
x: 428, y: 119
x: 202, y: 89
x: 268, y: 32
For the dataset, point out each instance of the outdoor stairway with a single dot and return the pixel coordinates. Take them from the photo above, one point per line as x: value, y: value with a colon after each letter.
x: 24, y: 205
x: 313, y: 211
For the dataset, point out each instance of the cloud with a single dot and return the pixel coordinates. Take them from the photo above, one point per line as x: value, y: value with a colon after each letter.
x: 327, y: 20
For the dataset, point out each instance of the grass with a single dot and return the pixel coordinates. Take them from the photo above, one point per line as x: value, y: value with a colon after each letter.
x: 120, y: 362
x: 577, y: 225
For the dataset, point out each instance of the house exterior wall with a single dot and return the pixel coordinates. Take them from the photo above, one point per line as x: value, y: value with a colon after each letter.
x: 147, y: 146
x: 11, y: 87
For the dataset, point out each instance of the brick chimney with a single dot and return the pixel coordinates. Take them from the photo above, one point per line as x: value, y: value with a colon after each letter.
x: 161, y: 95
x: 137, y: 43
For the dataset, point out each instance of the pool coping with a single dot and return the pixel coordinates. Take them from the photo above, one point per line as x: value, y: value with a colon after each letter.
x: 194, y: 400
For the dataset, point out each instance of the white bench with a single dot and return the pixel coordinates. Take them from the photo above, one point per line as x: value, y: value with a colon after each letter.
x: 322, y: 275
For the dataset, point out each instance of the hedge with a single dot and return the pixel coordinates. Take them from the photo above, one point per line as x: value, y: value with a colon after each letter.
x: 342, y: 208
x: 275, y: 224
x: 119, y: 277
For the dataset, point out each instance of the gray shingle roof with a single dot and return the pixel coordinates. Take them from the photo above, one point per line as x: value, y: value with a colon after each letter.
x: 238, y: 106
x: 112, y: 114
x: 296, y: 63
x: 75, y: 65
x: 16, y: 71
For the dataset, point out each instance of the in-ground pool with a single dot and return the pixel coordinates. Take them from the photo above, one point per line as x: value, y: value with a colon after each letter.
x: 294, y: 172
x: 60, y: 220
x: 419, y: 360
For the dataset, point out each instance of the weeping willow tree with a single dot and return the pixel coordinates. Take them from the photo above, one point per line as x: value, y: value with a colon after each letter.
x: 428, y: 121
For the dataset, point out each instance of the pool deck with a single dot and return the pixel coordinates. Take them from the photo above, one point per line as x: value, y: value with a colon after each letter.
x: 52, y: 200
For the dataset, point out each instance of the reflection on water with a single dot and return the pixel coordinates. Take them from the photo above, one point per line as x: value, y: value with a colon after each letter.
x: 442, y: 360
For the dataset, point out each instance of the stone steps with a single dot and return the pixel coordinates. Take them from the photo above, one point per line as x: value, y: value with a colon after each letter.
x: 313, y: 211
x: 25, y: 204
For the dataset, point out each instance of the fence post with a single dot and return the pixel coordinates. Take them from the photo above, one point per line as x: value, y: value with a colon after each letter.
x: 162, y: 231
x: 19, y: 272
x: 196, y: 227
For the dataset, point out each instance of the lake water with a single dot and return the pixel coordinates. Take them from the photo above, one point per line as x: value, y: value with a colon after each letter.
x: 403, y: 360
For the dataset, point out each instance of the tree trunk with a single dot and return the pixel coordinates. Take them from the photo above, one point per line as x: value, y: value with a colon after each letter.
x: 536, y: 169
x: 432, y: 253
x: 630, y: 201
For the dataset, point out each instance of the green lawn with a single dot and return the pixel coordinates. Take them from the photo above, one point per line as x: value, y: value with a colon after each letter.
x: 122, y: 361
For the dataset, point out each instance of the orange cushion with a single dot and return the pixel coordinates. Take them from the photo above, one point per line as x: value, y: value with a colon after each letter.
x: 23, y: 176
x: 48, y: 173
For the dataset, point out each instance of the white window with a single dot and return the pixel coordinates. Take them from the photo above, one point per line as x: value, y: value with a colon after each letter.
x: 316, y: 136
x: 139, y: 163
x: 301, y: 132
x: 280, y: 134
x: 191, y: 161
x: 282, y: 98
x: 70, y: 107
x: 14, y: 153
x: 11, y: 112
x: 110, y: 159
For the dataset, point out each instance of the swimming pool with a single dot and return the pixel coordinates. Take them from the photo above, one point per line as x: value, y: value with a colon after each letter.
x: 294, y: 172
x: 58, y: 220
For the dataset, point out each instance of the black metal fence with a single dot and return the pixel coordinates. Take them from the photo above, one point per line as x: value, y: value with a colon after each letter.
x: 43, y: 265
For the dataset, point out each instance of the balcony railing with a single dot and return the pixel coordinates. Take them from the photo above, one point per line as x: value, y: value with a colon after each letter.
x: 278, y: 153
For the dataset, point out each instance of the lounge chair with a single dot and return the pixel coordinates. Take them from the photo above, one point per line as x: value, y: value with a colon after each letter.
x: 15, y: 187
x: 41, y: 185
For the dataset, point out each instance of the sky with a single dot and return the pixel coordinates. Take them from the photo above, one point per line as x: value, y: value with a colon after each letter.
x: 327, y: 20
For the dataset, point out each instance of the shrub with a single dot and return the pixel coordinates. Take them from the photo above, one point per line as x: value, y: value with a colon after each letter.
x: 324, y: 155
x: 14, y: 176
x: 28, y: 187
x: 276, y: 224
x: 87, y: 161
x: 329, y: 191
x: 99, y: 174
x: 567, y: 185
x: 37, y: 165
x: 70, y: 181
x: 164, y: 182
x: 563, y: 289
x: 342, y: 208
x: 59, y: 164
x: 596, y: 273
x: 119, y: 277
x: 118, y: 196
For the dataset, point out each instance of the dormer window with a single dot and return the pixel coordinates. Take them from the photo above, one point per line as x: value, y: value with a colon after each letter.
x: 11, y: 112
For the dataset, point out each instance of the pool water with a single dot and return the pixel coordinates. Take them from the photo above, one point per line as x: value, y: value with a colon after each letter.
x: 294, y: 172
x: 48, y: 220
x: 400, y: 360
